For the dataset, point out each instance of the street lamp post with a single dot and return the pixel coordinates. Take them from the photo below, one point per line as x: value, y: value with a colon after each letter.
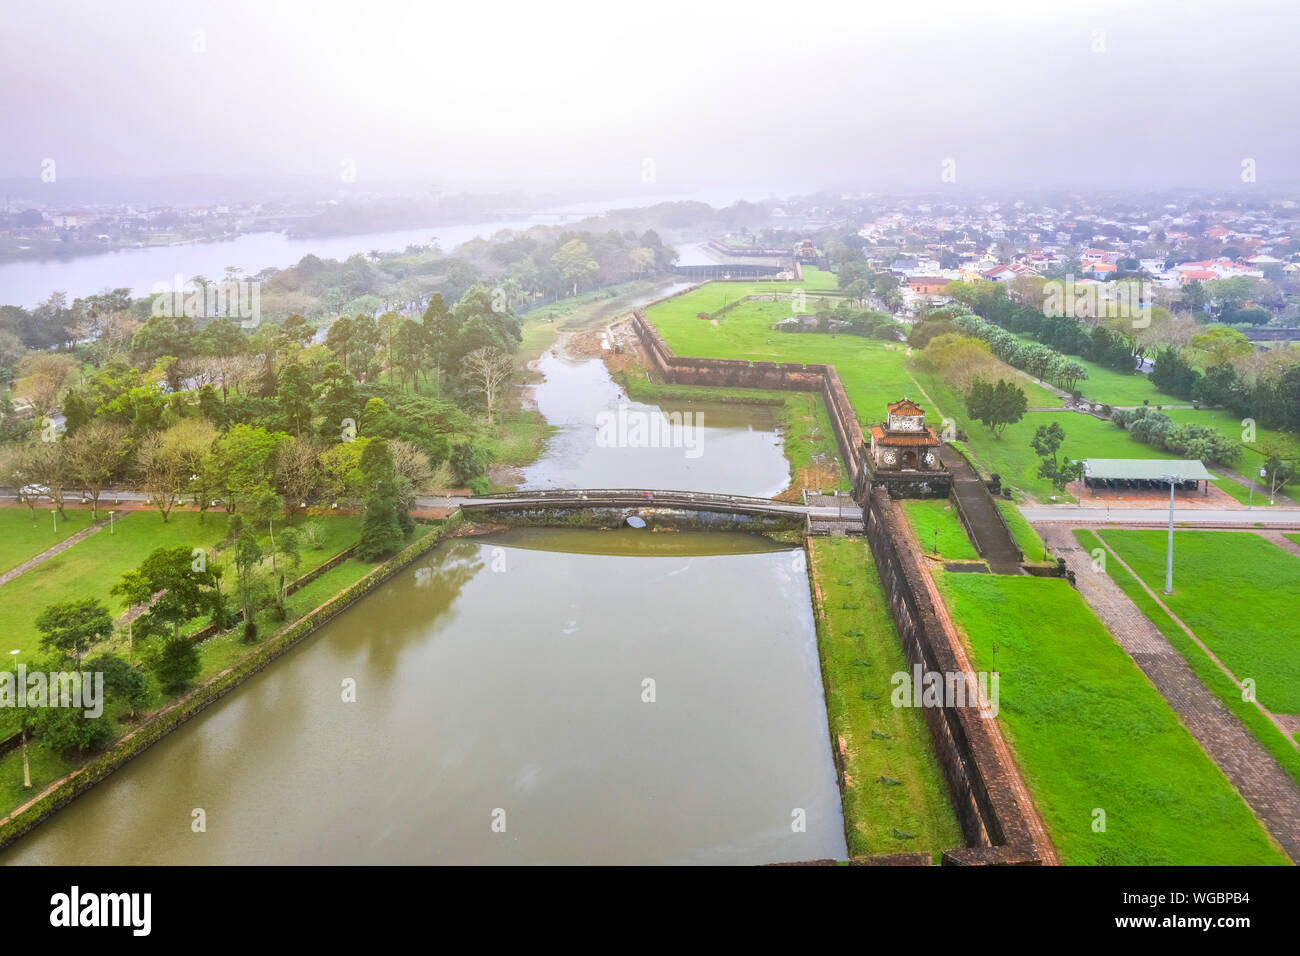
x: 1169, y: 552
x: 22, y: 689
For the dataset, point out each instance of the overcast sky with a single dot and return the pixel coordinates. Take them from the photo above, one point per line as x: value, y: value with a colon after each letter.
x: 621, y: 97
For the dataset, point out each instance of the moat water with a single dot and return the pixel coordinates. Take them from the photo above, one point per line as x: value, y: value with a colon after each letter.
x: 539, y: 696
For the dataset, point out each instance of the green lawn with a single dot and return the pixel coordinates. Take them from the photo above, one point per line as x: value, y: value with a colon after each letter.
x: 860, y: 651
x: 1237, y: 592
x: 1218, y: 683
x: 1241, y: 492
x: 1026, y: 538
x: 24, y: 540
x: 1012, y: 456
x: 91, y: 567
x: 1111, y: 387
x: 874, y: 373
x: 931, y: 515
x: 1107, y: 386
x: 819, y: 280
x: 1090, y: 732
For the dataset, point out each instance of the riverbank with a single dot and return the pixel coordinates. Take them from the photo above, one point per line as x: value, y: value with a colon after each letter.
x: 891, y: 786
x: 522, y: 432
x: 156, y: 725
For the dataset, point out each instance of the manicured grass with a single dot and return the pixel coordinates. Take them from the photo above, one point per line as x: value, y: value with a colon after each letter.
x: 928, y: 516
x: 24, y: 539
x: 1241, y: 492
x: 91, y: 567
x: 860, y: 652
x: 1292, y: 536
x: 1090, y: 732
x: 1112, y: 387
x: 1218, y: 683
x: 1012, y: 456
x: 1237, y: 592
x: 1026, y: 538
x: 1107, y: 386
x: 819, y: 280
x: 874, y: 373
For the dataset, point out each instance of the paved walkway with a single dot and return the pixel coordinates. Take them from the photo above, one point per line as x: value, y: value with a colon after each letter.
x: 1269, y: 791
x: 1281, y: 540
x: 48, y: 553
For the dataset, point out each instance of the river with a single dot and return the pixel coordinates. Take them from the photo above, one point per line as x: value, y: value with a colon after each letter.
x: 27, y: 282
x: 506, y: 684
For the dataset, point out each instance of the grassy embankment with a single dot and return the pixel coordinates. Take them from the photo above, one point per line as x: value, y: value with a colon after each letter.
x: 933, y: 515
x: 1210, y: 674
x: 1091, y: 733
x: 519, y: 436
x: 215, y: 655
x: 895, y: 799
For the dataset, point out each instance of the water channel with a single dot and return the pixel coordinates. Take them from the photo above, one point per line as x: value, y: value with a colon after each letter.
x: 507, y: 684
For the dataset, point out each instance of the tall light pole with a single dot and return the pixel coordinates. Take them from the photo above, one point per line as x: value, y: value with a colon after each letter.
x: 27, y: 767
x: 1169, y: 553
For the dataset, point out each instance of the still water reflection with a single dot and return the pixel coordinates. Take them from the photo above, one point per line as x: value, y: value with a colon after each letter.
x: 509, y: 676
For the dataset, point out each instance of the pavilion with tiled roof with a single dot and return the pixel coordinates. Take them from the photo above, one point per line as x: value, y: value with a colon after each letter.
x: 903, y: 442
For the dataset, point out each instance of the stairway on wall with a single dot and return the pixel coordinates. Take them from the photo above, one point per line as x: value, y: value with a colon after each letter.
x: 992, y: 538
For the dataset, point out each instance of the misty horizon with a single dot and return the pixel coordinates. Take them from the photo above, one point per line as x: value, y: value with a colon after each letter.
x: 666, y: 102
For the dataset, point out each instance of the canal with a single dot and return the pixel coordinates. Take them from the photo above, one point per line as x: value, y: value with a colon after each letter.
x: 533, y: 696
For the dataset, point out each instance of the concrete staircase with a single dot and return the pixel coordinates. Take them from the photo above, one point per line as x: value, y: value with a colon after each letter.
x: 984, y: 522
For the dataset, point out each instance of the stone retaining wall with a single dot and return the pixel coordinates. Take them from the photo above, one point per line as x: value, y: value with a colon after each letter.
x: 787, y: 376
x: 978, y: 780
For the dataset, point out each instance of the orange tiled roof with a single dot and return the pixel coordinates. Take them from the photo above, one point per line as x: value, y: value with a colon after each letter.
x: 905, y: 407
x: 879, y: 434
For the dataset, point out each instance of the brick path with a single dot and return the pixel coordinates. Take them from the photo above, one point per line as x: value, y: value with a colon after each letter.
x: 1281, y: 540
x: 1267, y: 789
x: 45, y: 555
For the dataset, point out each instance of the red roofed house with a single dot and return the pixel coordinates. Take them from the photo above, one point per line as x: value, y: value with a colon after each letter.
x: 904, y: 442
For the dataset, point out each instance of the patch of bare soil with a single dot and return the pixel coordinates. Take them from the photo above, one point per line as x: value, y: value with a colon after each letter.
x: 616, y: 345
x: 505, y: 475
x: 814, y: 477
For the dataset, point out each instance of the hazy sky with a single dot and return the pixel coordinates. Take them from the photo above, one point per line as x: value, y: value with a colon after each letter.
x: 666, y: 97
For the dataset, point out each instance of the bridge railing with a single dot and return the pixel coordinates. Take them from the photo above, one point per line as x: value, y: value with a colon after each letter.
x: 646, y: 493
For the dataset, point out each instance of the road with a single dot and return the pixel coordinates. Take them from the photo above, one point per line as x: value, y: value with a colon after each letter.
x: 1239, y: 517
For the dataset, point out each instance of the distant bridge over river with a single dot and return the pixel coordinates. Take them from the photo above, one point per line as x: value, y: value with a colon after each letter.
x: 820, y: 513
